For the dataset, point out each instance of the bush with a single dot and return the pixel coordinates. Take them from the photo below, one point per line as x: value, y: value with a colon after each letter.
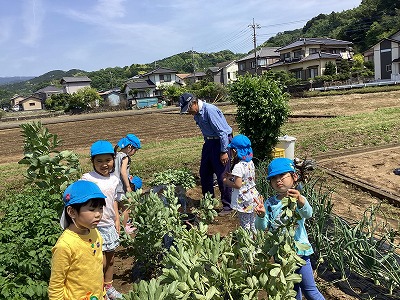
x: 28, y: 230
x: 262, y: 108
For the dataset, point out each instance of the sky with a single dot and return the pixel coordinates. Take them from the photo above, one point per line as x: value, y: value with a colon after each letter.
x: 38, y: 36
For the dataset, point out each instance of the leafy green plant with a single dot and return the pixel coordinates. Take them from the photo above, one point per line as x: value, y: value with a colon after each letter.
x: 262, y: 108
x: 206, y: 212
x: 49, y: 168
x: 237, y: 266
x: 157, y: 222
x: 365, y: 247
x: 28, y: 230
x: 182, y: 177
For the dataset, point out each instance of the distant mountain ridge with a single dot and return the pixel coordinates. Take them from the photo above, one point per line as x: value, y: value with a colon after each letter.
x: 14, y: 79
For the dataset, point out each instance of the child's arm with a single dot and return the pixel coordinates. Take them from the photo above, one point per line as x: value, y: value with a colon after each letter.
x: 117, y: 218
x: 60, y: 263
x: 236, y: 183
x: 124, y: 174
x: 261, y: 221
x: 304, y: 208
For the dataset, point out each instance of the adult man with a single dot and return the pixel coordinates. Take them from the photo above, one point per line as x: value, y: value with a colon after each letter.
x: 215, y: 156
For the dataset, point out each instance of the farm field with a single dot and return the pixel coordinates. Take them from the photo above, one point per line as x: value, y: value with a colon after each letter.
x: 170, y: 140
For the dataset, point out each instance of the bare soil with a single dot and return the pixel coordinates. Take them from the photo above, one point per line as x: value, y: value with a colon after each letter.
x: 349, y: 202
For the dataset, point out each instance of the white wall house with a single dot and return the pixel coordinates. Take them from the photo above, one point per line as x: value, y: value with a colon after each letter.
x: 386, y: 58
x: 73, y: 84
x: 307, y: 57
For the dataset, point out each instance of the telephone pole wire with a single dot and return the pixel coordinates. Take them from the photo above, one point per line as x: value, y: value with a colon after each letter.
x: 255, y: 26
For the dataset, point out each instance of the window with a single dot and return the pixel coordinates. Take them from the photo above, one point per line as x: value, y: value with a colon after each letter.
x: 262, y: 62
x: 167, y: 77
x: 32, y: 103
x: 253, y: 65
x: 242, y: 66
x: 297, y: 54
x: 388, y: 68
x: 229, y: 75
x: 313, y: 72
x: 161, y: 78
x: 313, y: 50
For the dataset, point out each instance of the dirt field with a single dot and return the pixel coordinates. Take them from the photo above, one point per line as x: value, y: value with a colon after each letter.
x: 374, y: 167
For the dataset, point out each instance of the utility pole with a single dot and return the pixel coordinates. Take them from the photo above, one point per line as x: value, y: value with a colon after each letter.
x: 194, y: 68
x: 255, y: 26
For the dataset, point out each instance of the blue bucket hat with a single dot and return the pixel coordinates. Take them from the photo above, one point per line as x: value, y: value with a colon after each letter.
x: 243, y: 148
x: 136, y: 181
x: 129, y: 139
x: 184, y: 101
x: 80, y: 191
x: 279, y: 166
x: 101, y: 147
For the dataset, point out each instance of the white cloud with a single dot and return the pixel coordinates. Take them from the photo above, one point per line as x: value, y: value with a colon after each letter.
x: 32, y: 19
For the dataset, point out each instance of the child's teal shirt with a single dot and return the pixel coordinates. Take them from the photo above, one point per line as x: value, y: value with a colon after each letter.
x: 272, y: 220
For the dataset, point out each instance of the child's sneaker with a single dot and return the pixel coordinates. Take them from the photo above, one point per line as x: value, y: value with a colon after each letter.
x: 113, y: 294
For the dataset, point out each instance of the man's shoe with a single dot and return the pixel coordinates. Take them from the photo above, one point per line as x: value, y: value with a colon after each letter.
x: 225, y: 212
x: 113, y: 294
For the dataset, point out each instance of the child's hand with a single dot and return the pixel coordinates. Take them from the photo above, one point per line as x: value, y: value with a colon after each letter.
x: 260, y: 208
x: 296, y: 194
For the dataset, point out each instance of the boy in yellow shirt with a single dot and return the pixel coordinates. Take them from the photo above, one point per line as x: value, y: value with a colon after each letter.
x: 77, y: 263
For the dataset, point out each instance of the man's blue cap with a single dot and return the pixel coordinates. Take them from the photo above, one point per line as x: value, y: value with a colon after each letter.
x: 101, y: 147
x: 243, y: 148
x: 129, y: 139
x: 279, y: 166
x: 136, y: 181
x: 184, y: 100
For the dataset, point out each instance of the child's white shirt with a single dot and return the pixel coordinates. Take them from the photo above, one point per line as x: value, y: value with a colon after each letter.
x: 108, y: 186
x: 243, y: 198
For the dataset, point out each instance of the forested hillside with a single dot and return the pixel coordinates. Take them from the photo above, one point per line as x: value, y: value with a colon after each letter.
x: 365, y: 25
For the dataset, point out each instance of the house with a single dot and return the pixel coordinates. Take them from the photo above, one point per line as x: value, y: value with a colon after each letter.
x: 150, y: 84
x: 264, y: 57
x: 15, y: 101
x: 195, y: 77
x: 307, y: 57
x: 32, y: 102
x: 223, y: 73
x: 111, y: 97
x: 73, y: 84
x: 386, y: 57
x: 47, y: 91
x: 180, y: 78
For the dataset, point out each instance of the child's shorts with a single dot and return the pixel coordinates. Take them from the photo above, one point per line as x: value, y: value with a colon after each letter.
x: 110, y: 237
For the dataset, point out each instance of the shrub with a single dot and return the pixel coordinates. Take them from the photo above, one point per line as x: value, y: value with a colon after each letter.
x: 28, y: 230
x: 262, y: 108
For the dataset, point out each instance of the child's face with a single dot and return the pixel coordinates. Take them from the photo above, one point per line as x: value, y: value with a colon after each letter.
x: 131, y: 151
x: 88, y: 216
x: 283, y: 182
x: 103, y: 164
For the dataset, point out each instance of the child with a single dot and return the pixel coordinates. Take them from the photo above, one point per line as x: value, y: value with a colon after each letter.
x: 102, y: 156
x: 242, y: 181
x: 128, y: 145
x: 77, y: 263
x: 282, y: 177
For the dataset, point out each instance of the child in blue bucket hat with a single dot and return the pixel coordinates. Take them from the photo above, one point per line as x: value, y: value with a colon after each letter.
x: 102, y: 157
x: 77, y: 262
x: 126, y: 147
x: 242, y: 181
x: 282, y: 177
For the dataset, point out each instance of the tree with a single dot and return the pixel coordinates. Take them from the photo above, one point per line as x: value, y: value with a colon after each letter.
x: 262, y: 108
x: 84, y: 99
x: 330, y: 68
